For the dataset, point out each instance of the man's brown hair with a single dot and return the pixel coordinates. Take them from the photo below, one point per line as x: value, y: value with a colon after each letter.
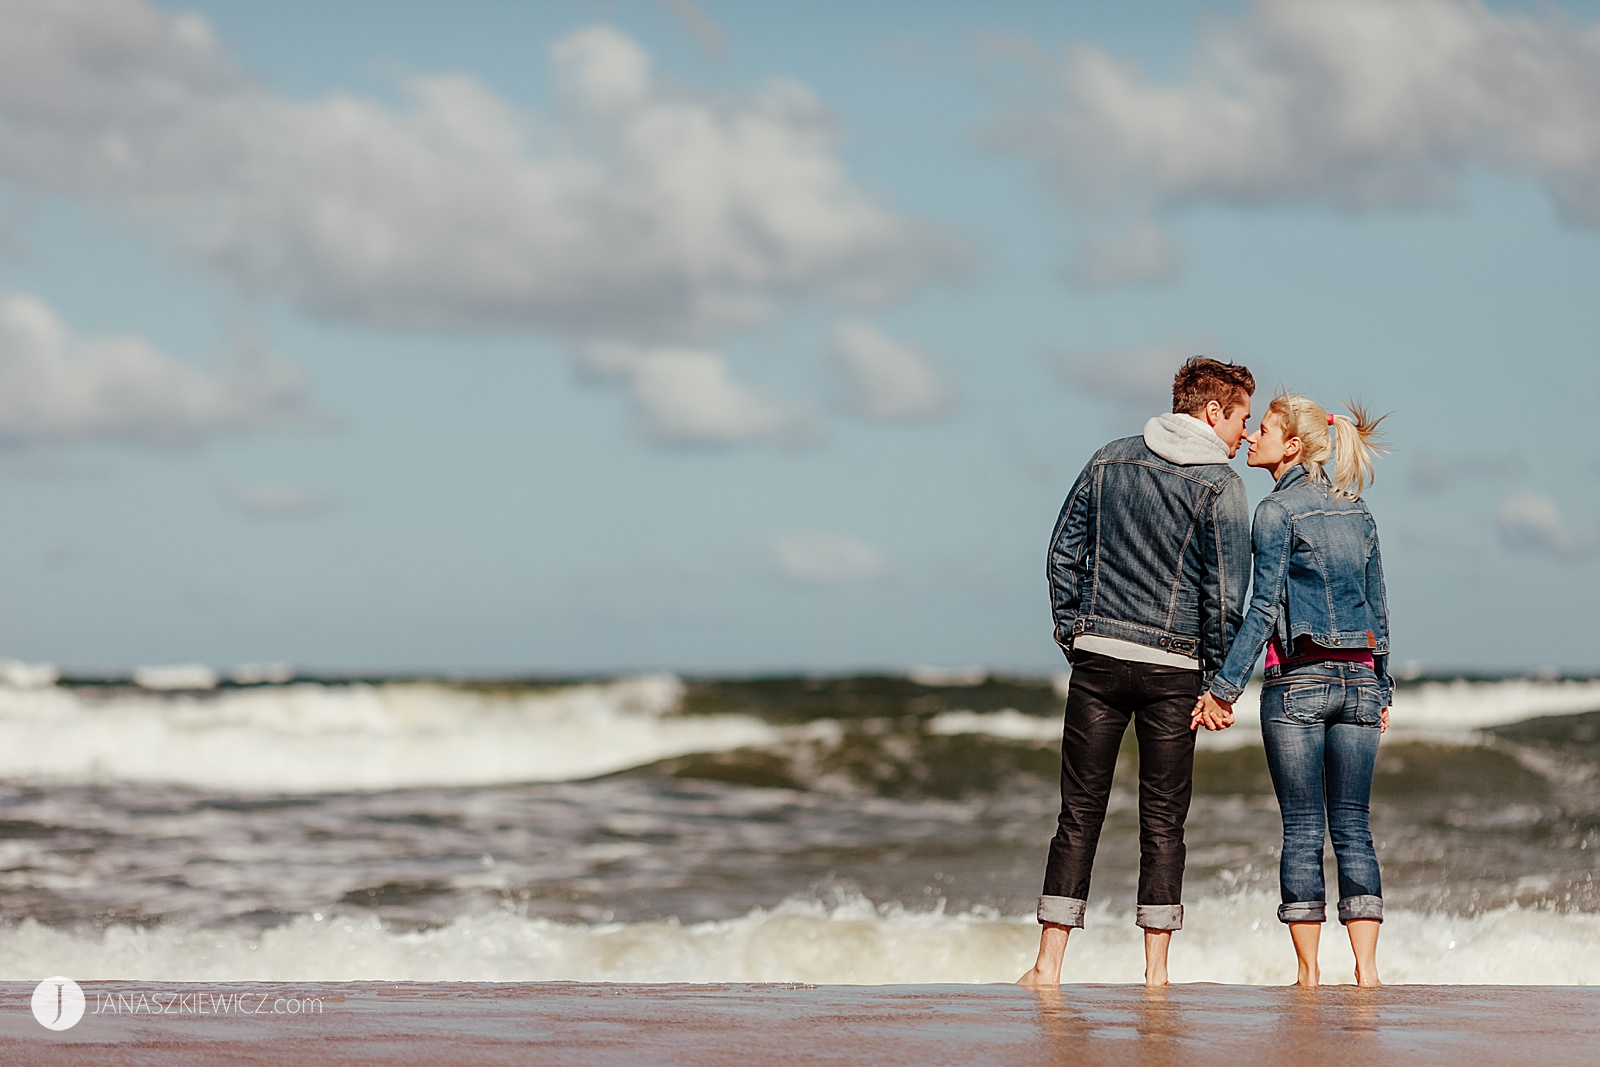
x: 1201, y: 380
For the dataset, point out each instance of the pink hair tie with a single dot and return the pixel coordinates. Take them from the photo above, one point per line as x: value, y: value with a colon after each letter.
x: 1330, y: 420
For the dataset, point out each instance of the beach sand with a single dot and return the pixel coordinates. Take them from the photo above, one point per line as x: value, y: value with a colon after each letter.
x: 747, y: 1025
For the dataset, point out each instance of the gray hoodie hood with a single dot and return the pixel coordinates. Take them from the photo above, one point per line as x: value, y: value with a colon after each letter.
x: 1184, y: 440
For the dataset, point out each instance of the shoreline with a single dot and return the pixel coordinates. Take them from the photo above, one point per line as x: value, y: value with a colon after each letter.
x: 570, y: 1023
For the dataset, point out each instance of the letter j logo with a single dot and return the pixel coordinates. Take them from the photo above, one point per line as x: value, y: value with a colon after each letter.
x: 58, y: 1003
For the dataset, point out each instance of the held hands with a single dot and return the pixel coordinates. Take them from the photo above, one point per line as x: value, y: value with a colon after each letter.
x: 1211, y: 713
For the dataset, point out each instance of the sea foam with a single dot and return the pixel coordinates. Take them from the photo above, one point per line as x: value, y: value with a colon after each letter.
x: 848, y: 941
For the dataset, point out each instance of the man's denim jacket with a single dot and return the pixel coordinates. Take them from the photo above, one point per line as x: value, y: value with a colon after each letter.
x: 1318, y: 575
x: 1152, y: 551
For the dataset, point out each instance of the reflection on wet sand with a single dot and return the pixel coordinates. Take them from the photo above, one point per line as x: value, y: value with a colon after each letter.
x: 1230, y: 1026
x: 721, y: 1025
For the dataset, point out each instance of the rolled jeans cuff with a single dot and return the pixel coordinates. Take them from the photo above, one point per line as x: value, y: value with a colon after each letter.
x: 1306, y: 911
x: 1159, y: 916
x: 1063, y: 911
x: 1362, y: 907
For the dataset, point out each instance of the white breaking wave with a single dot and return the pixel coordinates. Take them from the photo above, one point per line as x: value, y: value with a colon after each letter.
x: 19, y: 675
x: 1008, y: 723
x: 935, y: 677
x: 312, y: 738
x: 1453, y: 710
x: 1233, y: 939
x: 193, y: 676
x: 1445, y: 711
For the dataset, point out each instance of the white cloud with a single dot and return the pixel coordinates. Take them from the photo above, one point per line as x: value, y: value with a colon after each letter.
x: 632, y: 209
x: 57, y: 388
x: 685, y: 396
x: 701, y: 26
x: 276, y: 500
x: 1359, y: 103
x: 1137, y: 380
x: 813, y: 558
x: 1434, y: 474
x: 889, y: 381
x: 1142, y: 255
x: 1530, y: 522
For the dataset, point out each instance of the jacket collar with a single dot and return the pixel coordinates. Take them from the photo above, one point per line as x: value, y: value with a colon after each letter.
x: 1292, y: 476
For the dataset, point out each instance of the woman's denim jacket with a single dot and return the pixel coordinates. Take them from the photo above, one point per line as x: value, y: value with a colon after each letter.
x: 1318, y: 575
x: 1152, y: 551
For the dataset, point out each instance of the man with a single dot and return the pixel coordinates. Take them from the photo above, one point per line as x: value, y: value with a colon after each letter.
x: 1148, y: 569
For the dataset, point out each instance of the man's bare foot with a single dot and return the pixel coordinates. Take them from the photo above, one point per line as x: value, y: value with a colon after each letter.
x: 1046, y: 970
x: 1156, y: 943
x: 1036, y: 979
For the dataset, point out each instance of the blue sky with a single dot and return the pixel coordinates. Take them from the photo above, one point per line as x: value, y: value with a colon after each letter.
x: 709, y: 336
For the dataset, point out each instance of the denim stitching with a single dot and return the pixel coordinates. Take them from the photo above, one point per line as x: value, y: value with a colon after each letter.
x: 1094, y: 581
x: 1177, y: 578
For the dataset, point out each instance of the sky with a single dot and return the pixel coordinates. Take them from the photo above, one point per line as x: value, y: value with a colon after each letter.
x: 743, y: 337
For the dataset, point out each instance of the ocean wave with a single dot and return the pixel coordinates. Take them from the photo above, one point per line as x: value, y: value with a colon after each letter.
x: 1437, y: 710
x: 878, y: 735
x: 312, y: 738
x: 1231, y: 939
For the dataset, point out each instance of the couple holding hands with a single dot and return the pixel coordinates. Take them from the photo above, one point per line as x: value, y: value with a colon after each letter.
x: 1148, y: 570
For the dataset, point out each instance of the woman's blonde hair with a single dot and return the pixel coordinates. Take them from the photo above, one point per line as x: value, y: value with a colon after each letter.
x: 1352, y: 448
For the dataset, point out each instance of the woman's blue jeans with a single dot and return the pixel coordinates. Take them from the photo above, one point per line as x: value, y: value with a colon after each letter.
x: 1320, y: 723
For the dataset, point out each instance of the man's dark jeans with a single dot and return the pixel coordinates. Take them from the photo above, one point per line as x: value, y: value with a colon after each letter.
x: 1105, y: 694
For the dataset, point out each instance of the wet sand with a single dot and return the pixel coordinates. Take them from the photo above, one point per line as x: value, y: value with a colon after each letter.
x: 745, y: 1025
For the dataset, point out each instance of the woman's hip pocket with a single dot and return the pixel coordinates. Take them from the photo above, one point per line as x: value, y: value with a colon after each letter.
x: 1364, y: 706
x: 1301, y: 703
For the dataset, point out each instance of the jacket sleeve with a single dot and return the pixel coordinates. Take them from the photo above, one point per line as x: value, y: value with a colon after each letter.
x: 1066, y: 565
x: 1270, y: 538
x: 1378, y: 603
x: 1225, y: 557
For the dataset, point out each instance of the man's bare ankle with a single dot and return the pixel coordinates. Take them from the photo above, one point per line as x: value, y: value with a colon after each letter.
x: 1037, y: 979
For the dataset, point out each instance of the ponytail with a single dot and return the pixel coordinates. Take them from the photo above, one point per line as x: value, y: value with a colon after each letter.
x: 1352, y: 451
x: 1357, y: 442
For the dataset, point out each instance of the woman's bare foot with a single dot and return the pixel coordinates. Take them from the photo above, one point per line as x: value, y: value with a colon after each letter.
x: 1364, y: 944
x: 1306, y: 937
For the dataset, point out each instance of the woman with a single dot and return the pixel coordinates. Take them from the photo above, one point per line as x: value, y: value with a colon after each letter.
x: 1318, y: 606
